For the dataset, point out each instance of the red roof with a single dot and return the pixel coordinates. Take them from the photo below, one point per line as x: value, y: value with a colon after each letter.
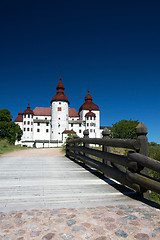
x: 73, y: 112
x: 90, y: 114
x: 19, y: 118
x: 68, y: 131
x: 60, y: 96
x: 42, y: 111
x: 28, y: 110
x: 88, y: 105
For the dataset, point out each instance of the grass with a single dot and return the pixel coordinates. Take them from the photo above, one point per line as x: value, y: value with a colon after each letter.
x: 6, y: 147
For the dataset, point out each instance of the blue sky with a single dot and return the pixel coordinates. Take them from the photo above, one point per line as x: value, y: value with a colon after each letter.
x: 111, y: 48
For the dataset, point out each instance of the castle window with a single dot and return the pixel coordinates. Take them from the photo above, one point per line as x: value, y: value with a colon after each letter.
x: 58, y: 118
x: 87, y: 118
x: 79, y: 131
x: 80, y: 125
x: 58, y: 133
x: 24, y: 115
x: 47, y: 124
x: 59, y: 102
x: 31, y: 123
x: 28, y: 122
x: 71, y: 124
x: 90, y: 130
x: 59, y: 109
x: 27, y: 129
x: 31, y: 129
x: 24, y: 122
x: 38, y: 130
x: 87, y: 124
x: 38, y: 124
x: 36, y: 117
x: 72, y: 119
x: 91, y: 118
x: 47, y: 130
x: 45, y: 118
x: 28, y: 116
x: 24, y: 129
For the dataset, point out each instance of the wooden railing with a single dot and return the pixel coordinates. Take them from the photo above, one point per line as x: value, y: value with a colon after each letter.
x: 130, y: 170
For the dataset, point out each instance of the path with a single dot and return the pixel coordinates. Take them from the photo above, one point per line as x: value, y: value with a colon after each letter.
x: 69, y: 202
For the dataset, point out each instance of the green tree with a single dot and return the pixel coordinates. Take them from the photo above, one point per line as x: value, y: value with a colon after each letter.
x: 8, y: 129
x: 124, y: 129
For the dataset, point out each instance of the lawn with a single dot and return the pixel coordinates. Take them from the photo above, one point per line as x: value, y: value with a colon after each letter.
x: 5, y: 147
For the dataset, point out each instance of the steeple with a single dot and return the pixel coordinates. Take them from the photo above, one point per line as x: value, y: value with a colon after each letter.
x: 88, y: 105
x: 60, y: 96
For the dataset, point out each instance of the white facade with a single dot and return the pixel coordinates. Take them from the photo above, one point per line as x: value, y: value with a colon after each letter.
x: 48, y: 127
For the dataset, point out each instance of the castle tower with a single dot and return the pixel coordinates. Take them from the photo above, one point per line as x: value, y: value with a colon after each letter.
x: 90, y: 113
x: 28, y: 124
x: 59, y: 112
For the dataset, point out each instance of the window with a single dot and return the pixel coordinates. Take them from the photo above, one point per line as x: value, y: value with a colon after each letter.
x: 72, y: 119
x: 24, y: 115
x: 58, y: 133
x: 59, y: 109
x: 24, y: 129
x: 71, y: 124
x: 38, y: 124
x: 45, y: 118
x: 31, y: 123
x: 59, y: 102
x: 24, y: 122
x: 27, y: 129
x: 36, y: 117
x: 47, y: 130
x: 87, y: 118
x: 28, y: 122
x: 47, y: 124
x: 91, y: 118
x: 79, y: 131
x: 31, y: 129
x: 80, y: 125
x: 87, y: 124
x: 90, y: 130
x: 58, y: 118
x: 38, y: 130
x: 28, y: 116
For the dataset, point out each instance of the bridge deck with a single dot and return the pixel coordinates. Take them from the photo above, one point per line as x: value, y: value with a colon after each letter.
x: 53, y: 182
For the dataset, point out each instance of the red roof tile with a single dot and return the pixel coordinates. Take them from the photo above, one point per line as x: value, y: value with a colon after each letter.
x: 88, y: 105
x: 90, y: 114
x: 60, y: 96
x: 68, y: 131
x: 73, y: 112
x: 42, y: 111
x: 28, y: 110
x: 19, y: 118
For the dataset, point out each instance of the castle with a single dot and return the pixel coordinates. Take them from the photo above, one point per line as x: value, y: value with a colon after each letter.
x: 49, y: 126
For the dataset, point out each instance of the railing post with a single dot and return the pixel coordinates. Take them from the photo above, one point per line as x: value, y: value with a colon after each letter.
x: 141, y: 131
x: 75, y: 144
x: 67, y: 144
x: 85, y: 135
x: 106, y: 134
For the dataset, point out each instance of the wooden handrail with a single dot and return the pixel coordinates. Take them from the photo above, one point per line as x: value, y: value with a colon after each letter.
x: 128, y: 170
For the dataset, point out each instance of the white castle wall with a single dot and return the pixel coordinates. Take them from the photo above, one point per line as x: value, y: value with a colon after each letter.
x: 60, y: 117
x: 27, y: 127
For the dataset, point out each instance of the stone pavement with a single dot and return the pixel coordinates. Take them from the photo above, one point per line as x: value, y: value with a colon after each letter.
x: 100, y: 223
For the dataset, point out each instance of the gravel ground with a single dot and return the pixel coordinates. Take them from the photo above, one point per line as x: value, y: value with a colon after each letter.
x: 99, y: 223
x: 33, y: 152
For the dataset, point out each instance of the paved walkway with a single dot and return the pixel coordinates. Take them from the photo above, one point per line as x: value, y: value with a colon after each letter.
x: 55, y: 198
